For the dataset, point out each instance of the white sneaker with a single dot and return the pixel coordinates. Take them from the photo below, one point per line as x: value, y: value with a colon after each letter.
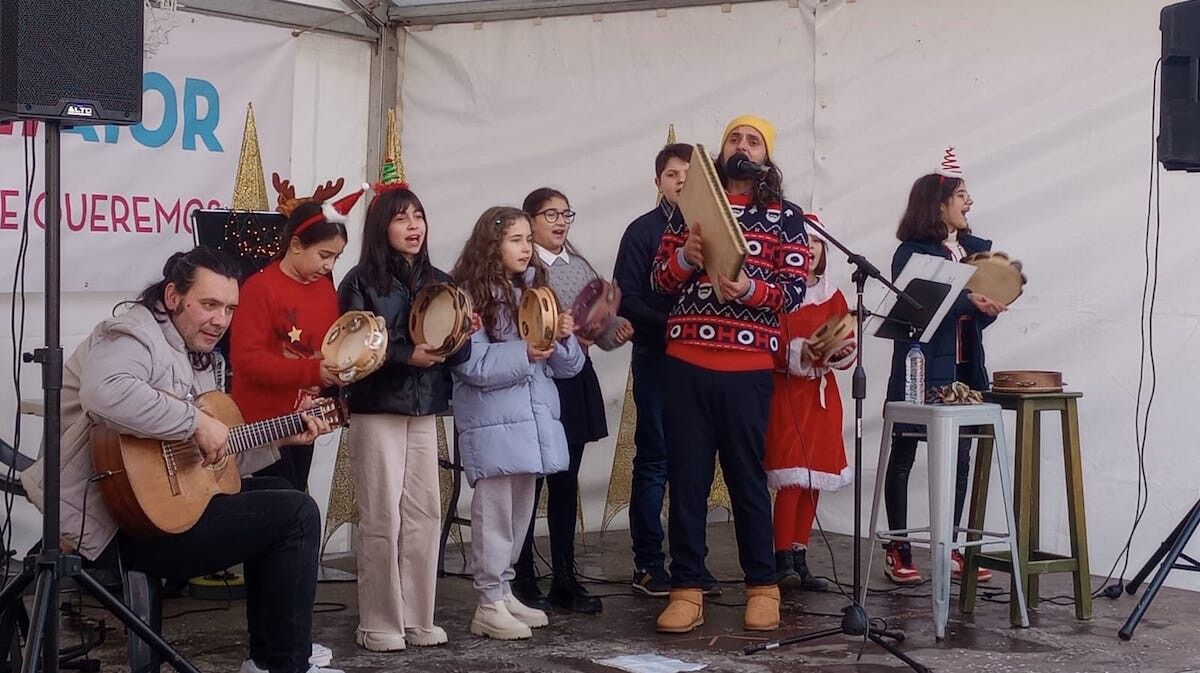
x: 531, y: 617
x: 494, y: 621
x: 248, y: 666
x: 379, y: 642
x: 420, y: 637
x: 321, y: 655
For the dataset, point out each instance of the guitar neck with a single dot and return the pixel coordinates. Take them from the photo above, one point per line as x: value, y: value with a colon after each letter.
x: 261, y: 433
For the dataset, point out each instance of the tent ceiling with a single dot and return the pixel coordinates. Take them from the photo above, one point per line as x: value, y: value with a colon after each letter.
x: 459, y: 11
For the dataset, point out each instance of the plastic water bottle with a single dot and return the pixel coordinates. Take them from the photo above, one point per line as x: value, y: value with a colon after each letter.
x: 914, y: 375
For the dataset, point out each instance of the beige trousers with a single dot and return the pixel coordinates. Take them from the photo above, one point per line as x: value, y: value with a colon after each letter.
x: 395, y: 464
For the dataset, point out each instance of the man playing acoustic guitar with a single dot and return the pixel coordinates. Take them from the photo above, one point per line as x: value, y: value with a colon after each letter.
x: 139, y: 373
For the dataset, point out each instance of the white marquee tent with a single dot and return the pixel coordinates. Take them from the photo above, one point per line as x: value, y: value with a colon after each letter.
x: 1048, y: 103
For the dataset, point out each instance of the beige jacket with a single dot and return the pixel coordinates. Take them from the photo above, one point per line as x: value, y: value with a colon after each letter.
x: 133, y: 374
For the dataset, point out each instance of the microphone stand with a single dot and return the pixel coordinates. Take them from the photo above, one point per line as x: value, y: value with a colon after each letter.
x: 855, y: 620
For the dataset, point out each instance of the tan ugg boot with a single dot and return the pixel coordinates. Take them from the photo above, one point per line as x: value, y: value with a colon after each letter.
x: 685, y: 611
x: 762, y: 608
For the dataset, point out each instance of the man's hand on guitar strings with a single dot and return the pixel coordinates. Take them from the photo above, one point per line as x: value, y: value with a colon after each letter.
x: 212, y: 436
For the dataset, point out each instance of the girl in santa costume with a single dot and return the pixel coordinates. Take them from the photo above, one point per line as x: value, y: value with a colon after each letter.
x: 568, y: 273
x: 935, y: 223
x: 284, y: 312
x: 805, y: 450
x: 507, y: 413
x: 393, y: 434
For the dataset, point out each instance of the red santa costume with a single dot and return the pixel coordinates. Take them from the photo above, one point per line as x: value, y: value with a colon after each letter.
x: 805, y: 450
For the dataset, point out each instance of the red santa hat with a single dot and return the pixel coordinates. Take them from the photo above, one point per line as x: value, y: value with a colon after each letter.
x: 333, y: 212
x: 950, y: 167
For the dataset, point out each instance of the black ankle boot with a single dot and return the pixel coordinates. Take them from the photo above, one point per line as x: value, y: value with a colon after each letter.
x: 567, y: 593
x: 785, y: 573
x: 808, y: 581
x: 525, y: 589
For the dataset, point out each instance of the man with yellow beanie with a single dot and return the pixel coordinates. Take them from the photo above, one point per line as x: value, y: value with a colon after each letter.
x: 719, y: 362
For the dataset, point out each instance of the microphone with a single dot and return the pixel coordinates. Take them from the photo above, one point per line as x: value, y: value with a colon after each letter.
x: 740, y: 167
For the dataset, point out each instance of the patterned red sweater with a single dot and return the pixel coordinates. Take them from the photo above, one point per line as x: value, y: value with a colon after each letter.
x: 275, y: 340
x: 740, y: 335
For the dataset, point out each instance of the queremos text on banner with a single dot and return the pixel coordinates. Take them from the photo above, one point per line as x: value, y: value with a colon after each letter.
x: 128, y: 191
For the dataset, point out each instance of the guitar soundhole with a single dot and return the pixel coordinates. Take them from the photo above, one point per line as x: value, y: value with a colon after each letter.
x: 219, y: 465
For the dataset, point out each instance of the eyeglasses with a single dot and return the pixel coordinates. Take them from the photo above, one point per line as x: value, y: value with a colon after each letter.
x: 552, y: 215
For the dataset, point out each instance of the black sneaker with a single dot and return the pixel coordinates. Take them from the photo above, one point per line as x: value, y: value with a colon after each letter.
x: 711, y: 586
x: 653, y: 581
x: 808, y: 581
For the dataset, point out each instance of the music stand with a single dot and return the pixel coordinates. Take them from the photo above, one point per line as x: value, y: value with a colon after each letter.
x: 905, y: 323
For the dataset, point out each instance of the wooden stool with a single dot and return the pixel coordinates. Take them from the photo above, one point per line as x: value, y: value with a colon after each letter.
x: 1027, y: 490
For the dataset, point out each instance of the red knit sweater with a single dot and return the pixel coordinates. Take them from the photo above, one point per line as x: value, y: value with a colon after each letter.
x: 275, y: 340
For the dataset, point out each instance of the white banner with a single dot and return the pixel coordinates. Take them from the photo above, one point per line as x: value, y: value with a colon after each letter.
x: 128, y: 191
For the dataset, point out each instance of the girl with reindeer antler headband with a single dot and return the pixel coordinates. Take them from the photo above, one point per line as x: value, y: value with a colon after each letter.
x: 286, y: 309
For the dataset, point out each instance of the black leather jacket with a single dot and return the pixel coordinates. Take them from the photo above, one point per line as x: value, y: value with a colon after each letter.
x: 397, y: 387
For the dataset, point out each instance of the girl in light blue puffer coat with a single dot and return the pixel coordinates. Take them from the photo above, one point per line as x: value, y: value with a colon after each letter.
x: 507, y: 413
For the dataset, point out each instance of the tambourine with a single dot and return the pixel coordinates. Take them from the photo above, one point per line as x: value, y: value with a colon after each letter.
x: 996, y: 276
x: 831, y: 333
x: 1027, y: 381
x: 441, y: 318
x: 594, y: 308
x: 356, y: 345
x: 537, y: 318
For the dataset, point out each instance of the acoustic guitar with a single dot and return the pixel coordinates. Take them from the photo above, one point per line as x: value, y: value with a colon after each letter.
x: 156, y: 487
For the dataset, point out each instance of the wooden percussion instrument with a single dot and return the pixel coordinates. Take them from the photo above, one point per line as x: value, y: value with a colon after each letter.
x: 441, y: 318
x: 831, y: 333
x: 356, y: 345
x: 703, y: 202
x: 1027, y: 381
x: 537, y: 318
x: 594, y: 308
x: 996, y: 277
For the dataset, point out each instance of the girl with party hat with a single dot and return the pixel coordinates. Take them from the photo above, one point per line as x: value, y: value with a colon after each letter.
x: 393, y: 434
x: 935, y: 223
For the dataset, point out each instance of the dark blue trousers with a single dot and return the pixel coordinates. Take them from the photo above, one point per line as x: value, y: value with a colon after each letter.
x: 649, y: 484
x: 711, y: 415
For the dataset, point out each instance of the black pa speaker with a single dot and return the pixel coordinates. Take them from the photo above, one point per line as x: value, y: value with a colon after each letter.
x: 79, y: 61
x: 1179, y: 88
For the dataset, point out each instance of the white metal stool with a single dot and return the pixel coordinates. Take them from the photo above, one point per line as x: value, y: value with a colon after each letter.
x: 942, y: 425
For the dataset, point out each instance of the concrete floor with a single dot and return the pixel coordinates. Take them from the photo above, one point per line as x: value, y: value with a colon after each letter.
x: 1167, y: 641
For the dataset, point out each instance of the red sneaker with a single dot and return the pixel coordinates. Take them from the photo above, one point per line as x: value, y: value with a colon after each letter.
x: 956, y: 567
x: 898, y: 565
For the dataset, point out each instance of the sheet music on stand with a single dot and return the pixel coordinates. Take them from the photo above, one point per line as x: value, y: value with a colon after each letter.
x: 935, y: 282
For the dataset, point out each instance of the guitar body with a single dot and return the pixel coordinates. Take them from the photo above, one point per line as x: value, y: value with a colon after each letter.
x: 151, y: 490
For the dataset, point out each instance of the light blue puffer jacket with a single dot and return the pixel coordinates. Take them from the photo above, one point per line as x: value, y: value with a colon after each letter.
x: 506, y: 407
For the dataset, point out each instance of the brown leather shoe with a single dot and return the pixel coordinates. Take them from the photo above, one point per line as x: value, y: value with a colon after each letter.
x: 686, y: 611
x: 762, y: 608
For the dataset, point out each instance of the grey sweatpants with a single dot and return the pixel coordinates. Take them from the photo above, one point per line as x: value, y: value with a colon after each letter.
x: 501, y: 510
